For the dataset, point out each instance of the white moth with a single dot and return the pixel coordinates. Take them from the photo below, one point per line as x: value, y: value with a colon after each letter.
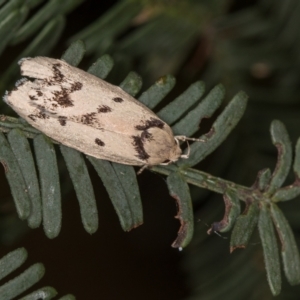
x: 84, y: 112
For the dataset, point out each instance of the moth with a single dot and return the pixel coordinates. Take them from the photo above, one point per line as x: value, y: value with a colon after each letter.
x: 81, y: 111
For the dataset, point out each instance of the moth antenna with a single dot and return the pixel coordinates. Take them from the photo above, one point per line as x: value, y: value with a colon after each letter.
x: 185, y: 138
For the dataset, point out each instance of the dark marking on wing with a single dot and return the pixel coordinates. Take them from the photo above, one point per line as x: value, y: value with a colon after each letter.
x: 58, y: 86
x: 58, y: 76
x: 104, y: 109
x: 99, y: 142
x: 118, y: 99
x: 62, y: 97
x: 146, y: 136
x: 39, y: 93
x: 40, y: 114
x: 33, y: 98
x: 88, y: 119
x: 138, y: 144
x: 62, y: 120
x: 36, y: 96
x: 151, y: 123
x: 32, y: 117
x: 76, y: 86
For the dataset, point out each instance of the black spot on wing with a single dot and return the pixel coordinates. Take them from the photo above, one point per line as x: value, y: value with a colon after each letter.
x: 118, y: 99
x: 152, y: 122
x: 138, y: 144
x: 33, y: 98
x: 104, y: 109
x: 37, y: 95
x: 32, y: 117
x: 62, y: 120
x: 57, y: 74
x: 88, y: 119
x: 76, y: 86
x: 99, y: 142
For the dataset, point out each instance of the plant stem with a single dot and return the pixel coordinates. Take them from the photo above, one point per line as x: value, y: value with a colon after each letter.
x: 212, y: 183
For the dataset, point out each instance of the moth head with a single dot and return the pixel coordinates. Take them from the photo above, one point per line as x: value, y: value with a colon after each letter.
x: 175, y: 153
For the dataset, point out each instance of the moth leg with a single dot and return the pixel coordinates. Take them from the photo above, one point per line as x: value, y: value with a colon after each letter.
x: 188, y: 151
x: 141, y: 170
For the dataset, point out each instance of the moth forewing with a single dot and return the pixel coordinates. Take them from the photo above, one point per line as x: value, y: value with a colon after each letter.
x: 84, y: 112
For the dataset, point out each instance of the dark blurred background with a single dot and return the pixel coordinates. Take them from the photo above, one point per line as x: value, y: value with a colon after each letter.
x: 246, y: 45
